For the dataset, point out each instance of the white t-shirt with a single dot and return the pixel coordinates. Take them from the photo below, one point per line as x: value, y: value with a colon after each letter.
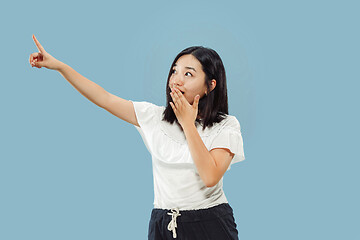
x: 176, y: 180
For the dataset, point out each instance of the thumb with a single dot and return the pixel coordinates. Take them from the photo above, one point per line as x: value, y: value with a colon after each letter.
x: 196, y: 101
x: 38, y: 64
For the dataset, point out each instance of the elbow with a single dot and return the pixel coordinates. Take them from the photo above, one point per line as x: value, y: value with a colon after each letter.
x: 209, y: 185
x: 211, y: 178
x: 210, y: 182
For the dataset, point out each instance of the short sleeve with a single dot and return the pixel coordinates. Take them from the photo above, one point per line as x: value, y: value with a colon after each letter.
x: 229, y: 136
x: 147, y: 117
x: 145, y: 113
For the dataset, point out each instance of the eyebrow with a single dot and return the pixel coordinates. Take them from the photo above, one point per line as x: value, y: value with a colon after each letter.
x: 187, y: 67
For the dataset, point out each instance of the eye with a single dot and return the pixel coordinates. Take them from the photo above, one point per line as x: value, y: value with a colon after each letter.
x: 173, y: 71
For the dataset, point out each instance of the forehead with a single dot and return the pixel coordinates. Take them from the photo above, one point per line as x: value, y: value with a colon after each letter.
x: 188, y: 60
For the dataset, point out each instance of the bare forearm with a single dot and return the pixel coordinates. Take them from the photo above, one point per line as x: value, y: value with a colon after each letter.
x: 204, y: 162
x: 87, y: 88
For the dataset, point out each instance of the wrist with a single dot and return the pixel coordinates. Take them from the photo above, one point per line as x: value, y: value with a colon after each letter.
x: 188, y: 125
x: 60, y: 66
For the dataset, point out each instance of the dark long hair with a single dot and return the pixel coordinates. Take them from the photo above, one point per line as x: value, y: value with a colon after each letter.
x: 213, y: 107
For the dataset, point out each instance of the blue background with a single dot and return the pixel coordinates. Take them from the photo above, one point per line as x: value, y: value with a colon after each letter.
x: 71, y: 170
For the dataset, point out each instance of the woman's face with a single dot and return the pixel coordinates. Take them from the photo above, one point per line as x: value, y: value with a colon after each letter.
x: 188, y: 76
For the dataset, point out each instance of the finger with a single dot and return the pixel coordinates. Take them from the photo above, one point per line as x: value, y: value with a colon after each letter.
x: 196, y: 101
x: 38, y: 45
x: 173, y: 107
x: 180, y: 96
x: 37, y: 64
x: 174, y: 98
x: 33, y: 56
x: 175, y: 92
x: 33, y: 59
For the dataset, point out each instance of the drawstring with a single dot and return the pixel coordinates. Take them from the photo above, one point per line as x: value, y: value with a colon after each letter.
x: 172, y: 224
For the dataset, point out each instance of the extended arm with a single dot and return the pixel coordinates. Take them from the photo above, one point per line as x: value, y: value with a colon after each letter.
x: 87, y: 88
x: 117, y: 106
x: 121, y: 108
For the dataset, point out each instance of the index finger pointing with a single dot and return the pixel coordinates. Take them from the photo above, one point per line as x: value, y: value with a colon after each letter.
x: 38, y: 45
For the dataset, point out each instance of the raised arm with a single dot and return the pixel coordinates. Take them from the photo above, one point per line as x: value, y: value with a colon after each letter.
x: 121, y: 108
x: 117, y: 106
x: 87, y: 88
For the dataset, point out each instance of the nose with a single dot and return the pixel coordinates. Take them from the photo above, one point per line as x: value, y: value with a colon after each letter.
x: 177, y: 81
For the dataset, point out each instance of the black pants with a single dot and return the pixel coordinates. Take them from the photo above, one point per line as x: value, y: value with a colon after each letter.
x: 216, y: 223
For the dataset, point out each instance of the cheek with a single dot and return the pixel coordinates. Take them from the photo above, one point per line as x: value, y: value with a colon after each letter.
x: 192, y: 91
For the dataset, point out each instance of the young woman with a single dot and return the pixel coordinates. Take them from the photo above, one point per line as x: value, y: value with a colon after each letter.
x: 193, y: 141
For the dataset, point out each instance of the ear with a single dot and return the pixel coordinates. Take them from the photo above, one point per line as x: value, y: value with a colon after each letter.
x: 213, y: 85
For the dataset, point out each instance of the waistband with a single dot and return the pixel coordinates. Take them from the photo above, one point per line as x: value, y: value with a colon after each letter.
x: 194, y: 215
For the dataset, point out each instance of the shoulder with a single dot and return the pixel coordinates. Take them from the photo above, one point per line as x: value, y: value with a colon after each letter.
x: 229, y: 124
x: 146, y: 106
x: 230, y: 121
x: 147, y: 113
